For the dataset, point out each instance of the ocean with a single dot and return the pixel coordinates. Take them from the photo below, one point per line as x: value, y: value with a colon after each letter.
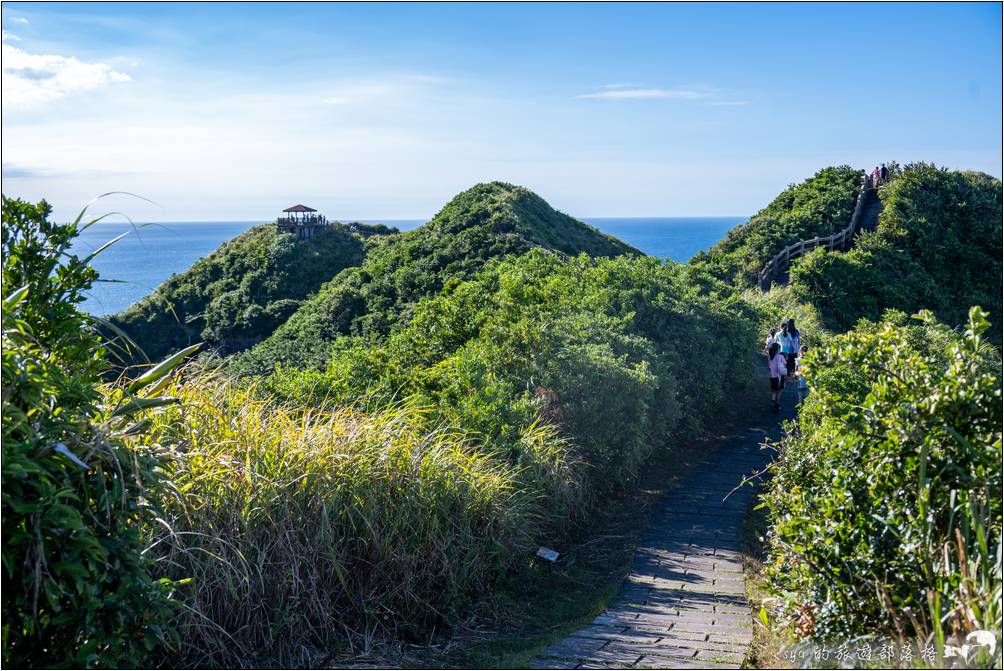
x: 138, y: 263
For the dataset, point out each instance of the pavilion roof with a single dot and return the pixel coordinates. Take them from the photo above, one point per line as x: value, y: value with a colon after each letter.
x: 299, y: 208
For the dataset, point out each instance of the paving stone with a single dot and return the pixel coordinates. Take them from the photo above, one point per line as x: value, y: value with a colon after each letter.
x: 553, y: 664
x: 621, y: 634
x: 669, y: 650
x: 623, y: 657
x: 665, y: 663
x: 719, y: 656
x: 683, y: 605
x: 573, y: 647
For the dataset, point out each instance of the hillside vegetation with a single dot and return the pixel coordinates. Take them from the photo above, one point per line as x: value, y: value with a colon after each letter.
x: 820, y: 205
x: 487, y: 221
x: 532, y: 392
x: 937, y: 247
x: 243, y: 291
x: 467, y: 392
x: 886, y: 500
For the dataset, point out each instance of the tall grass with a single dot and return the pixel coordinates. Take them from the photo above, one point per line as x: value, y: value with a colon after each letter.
x: 311, y: 531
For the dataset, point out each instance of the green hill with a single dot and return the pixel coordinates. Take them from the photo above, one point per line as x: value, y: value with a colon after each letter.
x: 937, y: 247
x: 240, y: 293
x: 820, y: 205
x: 488, y: 221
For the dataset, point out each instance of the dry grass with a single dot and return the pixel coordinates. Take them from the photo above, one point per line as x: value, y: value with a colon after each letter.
x: 308, y: 533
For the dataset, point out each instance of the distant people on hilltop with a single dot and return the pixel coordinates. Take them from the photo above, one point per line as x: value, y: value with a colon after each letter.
x: 883, y: 173
x: 876, y: 177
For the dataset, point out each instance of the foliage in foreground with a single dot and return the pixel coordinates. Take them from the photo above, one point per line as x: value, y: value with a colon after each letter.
x: 243, y: 291
x: 310, y: 533
x: 543, y: 384
x: 620, y: 354
x: 886, y: 499
x: 77, y: 489
x: 937, y: 247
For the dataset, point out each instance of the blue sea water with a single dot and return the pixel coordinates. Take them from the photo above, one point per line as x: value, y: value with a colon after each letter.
x: 138, y: 263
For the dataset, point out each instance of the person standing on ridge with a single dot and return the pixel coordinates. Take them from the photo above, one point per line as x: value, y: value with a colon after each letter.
x: 876, y: 176
x: 884, y: 173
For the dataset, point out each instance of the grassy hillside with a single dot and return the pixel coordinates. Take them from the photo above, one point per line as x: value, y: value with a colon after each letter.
x: 241, y: 292
x: 409, y: 484
x: 487, y: 221
x: 937, y: 247
x: 820, y: 205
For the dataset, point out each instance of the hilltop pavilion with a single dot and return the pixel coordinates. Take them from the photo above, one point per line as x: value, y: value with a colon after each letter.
x: 301, y: 220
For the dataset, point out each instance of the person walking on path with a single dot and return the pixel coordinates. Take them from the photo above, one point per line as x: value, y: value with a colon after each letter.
x: 883, y: 173
x: 770, y: 340
x: 876, y: 177
x: 777, y: 364
x: 795, y: 336
x: 801, y: 385
x: 784, y: 339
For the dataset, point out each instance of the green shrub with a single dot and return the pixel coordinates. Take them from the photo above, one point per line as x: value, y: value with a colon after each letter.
x: 886, y: 499
x: 621, y: 354
x: 77, y: 591
x: 937, y: 247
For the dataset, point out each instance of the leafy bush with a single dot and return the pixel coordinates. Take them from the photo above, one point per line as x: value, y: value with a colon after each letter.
x: 619, y: 353
x: 820, y: 205
x: 243, y: 291
x: 780, y: 304
x: 886, y: 499
x: 488, y: 221
x: 307, y: 531
x: 937, y: 247
x: 77, y: 489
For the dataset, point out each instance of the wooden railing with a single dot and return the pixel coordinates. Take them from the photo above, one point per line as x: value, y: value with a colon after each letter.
x: 840, y: 240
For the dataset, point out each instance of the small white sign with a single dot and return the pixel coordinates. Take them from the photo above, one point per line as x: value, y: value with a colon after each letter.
x: 548, y: 554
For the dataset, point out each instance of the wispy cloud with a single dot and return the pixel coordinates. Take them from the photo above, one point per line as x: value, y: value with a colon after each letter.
x: 707, y: 95
x: 392, y: 89
x: 18, y: 19
x: 34, y: 79
x: 8, y: 36
x: 619, y: 92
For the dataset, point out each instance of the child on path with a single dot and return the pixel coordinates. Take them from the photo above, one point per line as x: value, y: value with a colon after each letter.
x: 770, y: 339
x: 800, y: 384
x: 778, y: 366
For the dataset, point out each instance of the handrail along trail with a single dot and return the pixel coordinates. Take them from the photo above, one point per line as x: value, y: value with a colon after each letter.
x: 841, y: 240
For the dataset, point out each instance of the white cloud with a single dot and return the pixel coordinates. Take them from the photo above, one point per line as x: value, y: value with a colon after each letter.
x: 18, y: 19
x: 616, y: 92
x: 390, y: 90
x: 33, y: 79
x: 8, y: 36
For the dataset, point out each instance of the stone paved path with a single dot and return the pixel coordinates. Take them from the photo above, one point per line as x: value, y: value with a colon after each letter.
x: 683, y: 604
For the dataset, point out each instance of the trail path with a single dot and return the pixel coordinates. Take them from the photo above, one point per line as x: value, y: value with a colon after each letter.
x: 683, y: 604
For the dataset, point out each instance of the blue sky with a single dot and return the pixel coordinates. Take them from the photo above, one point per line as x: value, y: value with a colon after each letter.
x: 234, y: 111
